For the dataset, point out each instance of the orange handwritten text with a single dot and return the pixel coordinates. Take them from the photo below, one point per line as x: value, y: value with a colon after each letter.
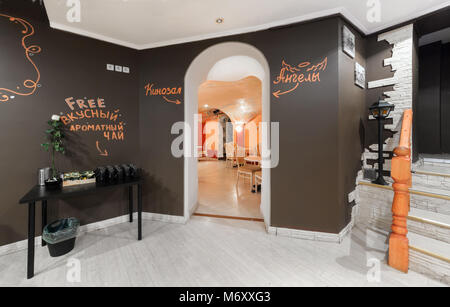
x: 30, y: 85
x: 165, y: 91
x: 304, y: 72
x: 101, y: 152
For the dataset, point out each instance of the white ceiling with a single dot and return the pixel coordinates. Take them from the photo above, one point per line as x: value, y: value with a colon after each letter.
x: 142, y: 24
x: 236, y: 68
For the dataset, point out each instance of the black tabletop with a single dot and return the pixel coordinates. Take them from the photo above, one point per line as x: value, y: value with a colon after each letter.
x: 38, y: 193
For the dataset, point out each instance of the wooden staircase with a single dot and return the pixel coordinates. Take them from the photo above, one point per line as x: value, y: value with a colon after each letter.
x: 429, y: 221
x: 414, y: 212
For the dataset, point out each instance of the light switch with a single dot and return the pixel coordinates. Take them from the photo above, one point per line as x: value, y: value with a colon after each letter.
x: 118, y: 68
x: 126, y: 69
x: 110, y: 67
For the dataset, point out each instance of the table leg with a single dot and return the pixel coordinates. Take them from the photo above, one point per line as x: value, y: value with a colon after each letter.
x: 44, y: 220
x: 31, y: 234
x: 251, y: 182
x: 130, y: 202
x: 139, y: 211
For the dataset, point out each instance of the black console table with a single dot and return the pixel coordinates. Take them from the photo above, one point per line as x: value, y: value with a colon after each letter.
x: 40, y: 193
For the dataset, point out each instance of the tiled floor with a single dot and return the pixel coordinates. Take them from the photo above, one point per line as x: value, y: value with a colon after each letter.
x: 219, y: 195
x: 210, y: 252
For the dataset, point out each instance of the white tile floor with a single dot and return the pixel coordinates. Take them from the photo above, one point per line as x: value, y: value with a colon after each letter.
x: 218, y: 193
x: 209, y: 252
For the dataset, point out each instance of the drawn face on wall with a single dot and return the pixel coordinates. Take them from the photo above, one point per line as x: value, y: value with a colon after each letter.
x: 30, y: 84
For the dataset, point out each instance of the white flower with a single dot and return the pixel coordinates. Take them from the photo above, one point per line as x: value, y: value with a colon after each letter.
x: 56, y: 117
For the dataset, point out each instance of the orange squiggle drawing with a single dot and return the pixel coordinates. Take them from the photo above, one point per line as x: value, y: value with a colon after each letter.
x: 33, y: 49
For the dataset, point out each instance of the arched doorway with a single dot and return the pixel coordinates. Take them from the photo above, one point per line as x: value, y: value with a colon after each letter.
x: 197, y: 74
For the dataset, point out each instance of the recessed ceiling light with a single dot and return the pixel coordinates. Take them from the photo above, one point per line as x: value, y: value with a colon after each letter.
x: 219, y: 20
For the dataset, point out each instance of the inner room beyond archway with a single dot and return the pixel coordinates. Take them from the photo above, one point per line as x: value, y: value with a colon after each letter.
x: 229, y: 143
x: 224, y: 63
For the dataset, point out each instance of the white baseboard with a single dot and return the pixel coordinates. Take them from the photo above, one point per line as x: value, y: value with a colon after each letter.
x: 313, y: 235
x: 21, y: 245
x: 175, y: 219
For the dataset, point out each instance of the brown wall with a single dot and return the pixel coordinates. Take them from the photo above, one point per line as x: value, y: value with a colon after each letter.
x: 308, y: 120
x: 352, y: 114
x: 376, y: 52
x: 322, y: 125
x: 70, y: 66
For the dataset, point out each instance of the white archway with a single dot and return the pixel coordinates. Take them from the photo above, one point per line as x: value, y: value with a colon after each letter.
x: 196, y: 74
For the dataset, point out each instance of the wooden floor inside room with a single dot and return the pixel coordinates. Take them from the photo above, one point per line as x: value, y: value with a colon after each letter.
x: 209, y: 252
x: 220, y: 196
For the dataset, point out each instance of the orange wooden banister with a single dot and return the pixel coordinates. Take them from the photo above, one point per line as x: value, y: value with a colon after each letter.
x: 401, y: 173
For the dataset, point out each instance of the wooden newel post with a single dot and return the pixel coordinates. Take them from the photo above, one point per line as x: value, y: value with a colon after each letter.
x: 401, y: 173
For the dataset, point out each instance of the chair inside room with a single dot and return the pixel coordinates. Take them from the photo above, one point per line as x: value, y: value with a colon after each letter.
x: 246, y: 170
x: 258, y: 180
x: 230, y: 154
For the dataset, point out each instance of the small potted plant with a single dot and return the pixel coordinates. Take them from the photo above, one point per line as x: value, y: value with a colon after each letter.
x: 55, y: 137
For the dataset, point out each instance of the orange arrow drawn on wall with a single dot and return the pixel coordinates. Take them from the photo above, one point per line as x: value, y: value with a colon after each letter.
x: 102, y: 153
x: 172, y: 101
x: 278, y: 93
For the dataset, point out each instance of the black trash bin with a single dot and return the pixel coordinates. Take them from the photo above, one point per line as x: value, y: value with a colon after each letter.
x: 60, y: 236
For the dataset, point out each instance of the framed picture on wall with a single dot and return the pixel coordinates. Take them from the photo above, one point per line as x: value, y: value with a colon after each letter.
x: 360, y: 75
x: 348, y: 42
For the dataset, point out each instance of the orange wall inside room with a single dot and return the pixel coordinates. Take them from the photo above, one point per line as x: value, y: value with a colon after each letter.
x: 210, y: 137
x: 253, y: 134
x: 241, y: 101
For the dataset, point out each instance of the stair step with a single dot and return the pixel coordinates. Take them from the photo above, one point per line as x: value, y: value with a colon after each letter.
x: 429, y: 224
x: 433, y: 170
x: 429, y: 199
x: 431, y: 246
x: 436, y: 161
x: 431, y: 176
x: 430, y: 257
x: 431, y: 191
x: 421, y: 190
x: 441, y: 220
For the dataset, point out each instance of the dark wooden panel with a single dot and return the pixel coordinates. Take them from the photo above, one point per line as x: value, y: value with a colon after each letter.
x: 445, y: 99
x: 433, y: 22
x: 428, y: 106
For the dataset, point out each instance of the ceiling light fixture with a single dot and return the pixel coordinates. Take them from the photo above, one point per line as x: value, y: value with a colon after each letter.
x: 219, y: 20
x: 206, y: 105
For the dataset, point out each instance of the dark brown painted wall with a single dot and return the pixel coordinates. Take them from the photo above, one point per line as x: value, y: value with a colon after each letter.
x: 376, y: 52
x: 352, y: 115
x: 70, y: 66
x: 304, y: 191
x: 320, y: 124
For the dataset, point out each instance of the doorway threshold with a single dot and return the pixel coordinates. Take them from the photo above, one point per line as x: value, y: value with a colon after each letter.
x: 443, y: 158
x: 251, y: 219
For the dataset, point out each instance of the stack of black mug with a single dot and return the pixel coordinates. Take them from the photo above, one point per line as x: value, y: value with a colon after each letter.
x: 113, y: 173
